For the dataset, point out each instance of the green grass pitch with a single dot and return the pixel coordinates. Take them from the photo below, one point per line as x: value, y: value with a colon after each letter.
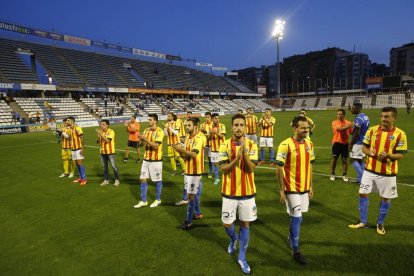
x: 51, y: 226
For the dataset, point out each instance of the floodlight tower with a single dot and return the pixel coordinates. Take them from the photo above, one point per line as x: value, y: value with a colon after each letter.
x: 278, y: 35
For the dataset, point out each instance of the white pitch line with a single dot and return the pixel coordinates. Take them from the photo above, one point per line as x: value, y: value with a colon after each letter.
x: 331, y: 148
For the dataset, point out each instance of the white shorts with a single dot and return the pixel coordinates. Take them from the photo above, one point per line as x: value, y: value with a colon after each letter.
x: 215, y: 157
x: 192, y: 183
x: 386, y: 186
x: 266, y: 142
x: 151, y: 169
x: 207, y: 151
x: 356, y: 152
x: 296, y: 204
x: 247, y: 210
x: 77, y: 154
x: 252, y: 137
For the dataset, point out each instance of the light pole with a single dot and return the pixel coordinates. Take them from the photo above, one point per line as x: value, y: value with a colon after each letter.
x: 277, y: 35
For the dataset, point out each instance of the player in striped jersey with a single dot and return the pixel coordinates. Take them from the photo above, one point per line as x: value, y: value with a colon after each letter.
x: 106, y: 139
x: 251, y: 125
x: 267, y: 123
x: 205, y: 128
x: 193, y: 154
x: 152, y: 164
x: 68, y: 164
x: 294, y: 173
x: 385, y: 145
x: 238, y: 157
x: 77, y: 147
x: 217, y: 136
x: 174, y: 130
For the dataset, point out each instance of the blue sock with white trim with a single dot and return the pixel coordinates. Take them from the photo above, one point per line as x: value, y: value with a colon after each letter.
x: 384, y: 207
x: 294, y: 232
x: 144, y: 189
x: 363, y: 209
x: 244, y: 235
x: 159, y: 189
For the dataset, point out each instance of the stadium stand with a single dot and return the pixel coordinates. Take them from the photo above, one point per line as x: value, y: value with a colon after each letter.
x: 57, y: 108
x: 304, y: 103
x: 366, y: 101
x: 330, y: 102
x: 6, y: 117
x: 396, y: 100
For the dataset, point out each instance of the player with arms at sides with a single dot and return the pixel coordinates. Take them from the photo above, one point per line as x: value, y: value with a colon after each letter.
x: 68, y: 164
x: 152, y: 165
x: 238, y: 162
x: 267, y: 123
x: 174, y: 129
x: 251, y: 125
x: 341, y: 129
x: 384, y: 145
x: 106, y: 139
x: 77, y: 147
x: 133, y: 127
x: 193, y: 154
x: 294, y: 174
x: 205, y: 128
x: 360, y: 127
x: 217, y: 136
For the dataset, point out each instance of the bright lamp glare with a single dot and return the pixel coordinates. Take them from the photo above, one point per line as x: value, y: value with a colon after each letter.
x: 279, y: 28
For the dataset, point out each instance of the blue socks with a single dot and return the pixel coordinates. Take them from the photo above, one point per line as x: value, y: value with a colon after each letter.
x: 363, y: 209
x: 159, y: 188
x: 81, y: 171
x: 294, y: 232
x: 144, y: 189
x: 216, y: 172
x: 272, y: 155
x: 384, y: 207
x: 262, y: 153
x: 358, y: 169
x: 231, y: 233
x: 190, y: 211
x: 210, y: 166
x: 197, y: 199
x: 244, y: 235
x: 185, y: 195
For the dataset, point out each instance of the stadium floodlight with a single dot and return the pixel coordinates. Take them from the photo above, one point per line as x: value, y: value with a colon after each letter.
x: 278, y: 35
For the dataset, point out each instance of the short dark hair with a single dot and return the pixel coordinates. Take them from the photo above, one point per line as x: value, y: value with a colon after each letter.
x: 342, y: 110
x: 390, y: 109
x: 64, y: 119
x: 237, y: 116
x: 105, y: 121
x: 133, y: 116
x: 357, y: 105
x: 249, y: 108
x: 207, y: 113
x: 195, y: 120
x: 189, y: 112
x: 71, y: 118
x: 267, y: 108
x: 297, y: 119
x: 175, y: 117
x: 172, y: 113
x: 240, y: 110
x: 214, y: 115
x: 154, y: 116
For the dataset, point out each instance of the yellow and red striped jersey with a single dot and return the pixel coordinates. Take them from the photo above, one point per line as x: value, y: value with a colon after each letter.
x: 155, y: 136
x: 177, y: 126
x: 393, y: 141
x: 215, y: 140
x: 267, y: 126
x: 107, y: 147
x: 64, y: 141
x: 296, y: 158
x: 251, y: 122
x: 195, y: 143
x: 238, y: 183
x: 75, y: 138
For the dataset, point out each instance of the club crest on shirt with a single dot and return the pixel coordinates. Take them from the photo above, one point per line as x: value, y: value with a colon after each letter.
x: 391, y: 137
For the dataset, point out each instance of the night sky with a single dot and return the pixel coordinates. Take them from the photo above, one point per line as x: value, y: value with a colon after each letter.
x: 231, y: 33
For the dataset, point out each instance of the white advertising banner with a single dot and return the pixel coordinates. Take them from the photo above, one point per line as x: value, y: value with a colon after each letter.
x: 34, y: 86
x: 118, y: 89
x: 148, y: 53
x: 203, y: 64
x: 219, y: 68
